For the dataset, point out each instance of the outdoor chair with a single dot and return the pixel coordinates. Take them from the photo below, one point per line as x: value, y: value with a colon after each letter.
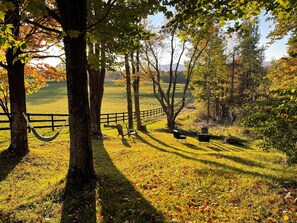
x: 122, y: 133
x: 203, y: 137
x: 177, y: 135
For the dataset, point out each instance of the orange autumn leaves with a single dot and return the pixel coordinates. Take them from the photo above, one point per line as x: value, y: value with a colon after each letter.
x: 283, y: 74
x: 35, y: 78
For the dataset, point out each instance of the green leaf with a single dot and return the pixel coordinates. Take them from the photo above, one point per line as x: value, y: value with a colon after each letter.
x: 2, y: 16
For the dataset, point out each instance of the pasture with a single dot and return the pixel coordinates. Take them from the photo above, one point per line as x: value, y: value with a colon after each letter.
x: 149, y: 178
x: 53, y: 98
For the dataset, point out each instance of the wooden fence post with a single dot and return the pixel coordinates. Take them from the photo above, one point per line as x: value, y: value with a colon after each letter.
x: 28, y: 116
x: 53, y: 124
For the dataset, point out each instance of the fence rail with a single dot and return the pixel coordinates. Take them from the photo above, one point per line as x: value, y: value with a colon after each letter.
x: 56, y: 120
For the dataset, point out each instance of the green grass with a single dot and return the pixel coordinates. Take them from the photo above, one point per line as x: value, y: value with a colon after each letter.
x: 152, y: 178
x: 53, y: 99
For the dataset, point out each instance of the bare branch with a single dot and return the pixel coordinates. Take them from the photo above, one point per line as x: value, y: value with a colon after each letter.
x: 43, y: 27
x: 3, y: 65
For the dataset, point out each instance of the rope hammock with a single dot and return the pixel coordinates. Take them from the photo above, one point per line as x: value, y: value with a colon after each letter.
x: 40, y: 137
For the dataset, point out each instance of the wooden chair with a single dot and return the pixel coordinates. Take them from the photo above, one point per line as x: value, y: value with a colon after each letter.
x: 122, y: 133
x: 177, y: 135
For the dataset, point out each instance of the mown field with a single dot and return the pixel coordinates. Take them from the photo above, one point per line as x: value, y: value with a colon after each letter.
x: 149, y: 178
x: 53, y: 98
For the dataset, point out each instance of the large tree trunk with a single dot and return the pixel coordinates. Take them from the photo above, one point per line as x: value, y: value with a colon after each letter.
x: 18, y: 131
x: 15, y: 70
x: 73, y: 18
x: 94, y: 102
x: 136, y: 80
x: 96, y: 81
x: 129, y: 94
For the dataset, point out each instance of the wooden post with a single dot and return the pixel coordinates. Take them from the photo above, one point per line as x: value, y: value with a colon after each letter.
x: 28, y: 116
x: 53, y: 124
x: 116, y: 118
x: 107, y: 119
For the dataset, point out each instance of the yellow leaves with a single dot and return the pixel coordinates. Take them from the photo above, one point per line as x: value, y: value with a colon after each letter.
x: 285, y: 217
x: 283, y: 3
x: 2, y: 16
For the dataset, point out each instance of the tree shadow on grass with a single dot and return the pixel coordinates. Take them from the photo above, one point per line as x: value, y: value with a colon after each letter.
x: 238, y: 160
x: 164, y: 144
x: 194, y: 147
x: 125, y: 142
x: 232, y: 146
x: 79, y: 205
x: 119, y: 200
x: 167, y: 151
x: 8, y: 161
x: 223, y: 168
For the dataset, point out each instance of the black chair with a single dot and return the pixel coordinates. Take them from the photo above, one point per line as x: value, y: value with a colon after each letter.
x: 128, y: 133
x: 204, y: 137
x: 177, y: 135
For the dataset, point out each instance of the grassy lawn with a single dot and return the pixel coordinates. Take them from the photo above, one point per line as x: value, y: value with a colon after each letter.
x: 53, y: 99
x: 152, y: 178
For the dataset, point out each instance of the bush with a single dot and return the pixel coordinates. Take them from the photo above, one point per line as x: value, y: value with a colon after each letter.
x: 275, y: 121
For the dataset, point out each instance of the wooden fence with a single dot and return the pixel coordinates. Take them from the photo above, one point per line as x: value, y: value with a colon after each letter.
x: 56, y: 120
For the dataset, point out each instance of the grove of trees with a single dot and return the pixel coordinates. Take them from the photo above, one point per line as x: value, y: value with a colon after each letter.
x: 115, y: 28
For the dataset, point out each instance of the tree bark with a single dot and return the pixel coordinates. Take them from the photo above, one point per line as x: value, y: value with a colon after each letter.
x: 18, y: 125
x: 96, y: 93
x: 136, y: 81
x: 129, y: 94
x: 73, y: 19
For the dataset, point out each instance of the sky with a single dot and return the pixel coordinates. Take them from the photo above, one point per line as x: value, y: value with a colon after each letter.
x: 274, y: 51
x: 277, y: 49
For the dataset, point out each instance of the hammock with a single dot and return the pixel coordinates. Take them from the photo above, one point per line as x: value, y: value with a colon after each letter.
x: 40, y: 137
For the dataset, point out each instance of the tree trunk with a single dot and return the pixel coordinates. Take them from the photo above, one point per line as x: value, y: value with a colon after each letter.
x: 73, y: 17
x: 129, y: 94
x: 18, y: 125
x: 18, y: 131
x: 95, y: 102
x: 208, y: 103
x: 136, y: 81
x: 96, y: 82
x: 170, y: 122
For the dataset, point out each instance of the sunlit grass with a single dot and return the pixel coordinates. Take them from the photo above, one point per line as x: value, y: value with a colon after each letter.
x: 150, y: 178
x: 53, y: 99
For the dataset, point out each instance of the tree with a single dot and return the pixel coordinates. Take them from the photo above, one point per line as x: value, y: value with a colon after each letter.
x: 15, y: 72
x: 210, y: 79
x: 19, y: 36
x: 73, y: 16
x: 136, y: 82
x: 100, y: 58
x: 166, y: 94
x: 273, y: 117
x: 119, y: 35
x: 251, y: 58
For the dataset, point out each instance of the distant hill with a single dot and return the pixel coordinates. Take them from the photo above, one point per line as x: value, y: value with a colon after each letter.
x: 165, y: 67
x: 266, y: 63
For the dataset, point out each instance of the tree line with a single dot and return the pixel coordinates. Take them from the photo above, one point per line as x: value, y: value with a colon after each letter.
x: 95, y: 33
